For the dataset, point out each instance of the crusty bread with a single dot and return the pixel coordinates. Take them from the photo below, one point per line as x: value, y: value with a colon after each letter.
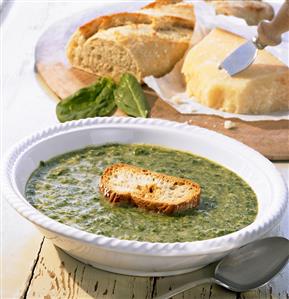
x: 261, y: 88
x: 147, y: 42
x: 251, y: 11
x: 148, y: 190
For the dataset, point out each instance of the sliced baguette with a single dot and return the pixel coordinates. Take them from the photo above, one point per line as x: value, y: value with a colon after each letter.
x: 251, y: 11
x: 147, y: 42
x: 148, y: 190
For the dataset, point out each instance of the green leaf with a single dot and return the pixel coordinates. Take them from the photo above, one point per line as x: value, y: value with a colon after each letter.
x: 130, y: 97
x: 94, y: 100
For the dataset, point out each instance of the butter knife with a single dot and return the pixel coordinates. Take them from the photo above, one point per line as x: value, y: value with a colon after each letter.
x: 269, y: 34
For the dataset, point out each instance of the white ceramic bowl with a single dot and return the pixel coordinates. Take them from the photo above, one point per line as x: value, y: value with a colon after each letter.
x: 133, y: 257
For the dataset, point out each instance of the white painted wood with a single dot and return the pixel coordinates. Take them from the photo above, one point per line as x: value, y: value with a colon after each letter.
x: 26, y: 107
x: 57, y: 275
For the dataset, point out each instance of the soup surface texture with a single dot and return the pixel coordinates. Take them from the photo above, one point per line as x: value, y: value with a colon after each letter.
x: 65, y: 188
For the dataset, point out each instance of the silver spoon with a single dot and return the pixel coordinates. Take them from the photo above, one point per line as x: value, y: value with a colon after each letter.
x: 245, y: 268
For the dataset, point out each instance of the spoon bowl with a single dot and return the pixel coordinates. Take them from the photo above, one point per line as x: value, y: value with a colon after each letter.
x: 253, y: 264
x: 245, y: 268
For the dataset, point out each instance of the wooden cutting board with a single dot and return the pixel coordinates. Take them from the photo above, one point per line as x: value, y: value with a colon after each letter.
x: 271, y: 138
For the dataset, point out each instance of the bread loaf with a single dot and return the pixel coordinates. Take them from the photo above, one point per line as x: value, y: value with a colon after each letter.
x: 251, y: 11
x: 147, y: 42
x: 261, y: 88
x: 148, y: 190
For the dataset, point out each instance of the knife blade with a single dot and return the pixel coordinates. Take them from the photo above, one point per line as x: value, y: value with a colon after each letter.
x: 240, y: 59
x: 269, y: 34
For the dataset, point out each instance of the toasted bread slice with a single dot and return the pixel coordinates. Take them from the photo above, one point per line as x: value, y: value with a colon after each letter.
x: 148, y: 190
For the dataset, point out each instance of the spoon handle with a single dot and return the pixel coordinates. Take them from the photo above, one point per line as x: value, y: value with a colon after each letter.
x: 185, y: 287
x: 269, y: 33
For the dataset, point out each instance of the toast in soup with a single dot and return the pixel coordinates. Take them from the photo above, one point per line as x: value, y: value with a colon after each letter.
x: 149, y: 190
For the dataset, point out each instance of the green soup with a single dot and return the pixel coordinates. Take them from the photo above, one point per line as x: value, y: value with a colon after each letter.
x: 65, y: 188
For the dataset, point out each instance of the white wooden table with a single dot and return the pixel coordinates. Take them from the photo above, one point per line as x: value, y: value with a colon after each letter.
x: 31, y: 267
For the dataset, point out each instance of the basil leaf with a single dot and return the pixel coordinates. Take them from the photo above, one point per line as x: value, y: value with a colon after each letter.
x: 94, y: 100
x: 130, y: 97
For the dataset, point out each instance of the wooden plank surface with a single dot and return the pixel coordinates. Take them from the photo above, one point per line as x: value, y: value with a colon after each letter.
x: 264, y: 136
x: 271, y: 138
x: 57, y: 275
x: 22, y: 111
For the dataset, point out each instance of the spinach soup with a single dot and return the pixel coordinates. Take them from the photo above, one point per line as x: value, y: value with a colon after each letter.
x: 65, y: 188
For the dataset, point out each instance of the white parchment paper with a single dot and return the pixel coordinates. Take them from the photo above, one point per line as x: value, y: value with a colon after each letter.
x: 171, y: 87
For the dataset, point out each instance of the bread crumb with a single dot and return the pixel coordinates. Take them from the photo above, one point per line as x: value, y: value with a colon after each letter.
x: 228, y: 124
x: 177, y: 100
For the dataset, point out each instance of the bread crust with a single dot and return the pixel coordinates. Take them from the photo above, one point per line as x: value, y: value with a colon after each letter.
x: 251, y: 11
x: 144, y: 196
x: 113, y: 20
x: 160, y: 3
x: 134, y: 18
x: 171, y: 27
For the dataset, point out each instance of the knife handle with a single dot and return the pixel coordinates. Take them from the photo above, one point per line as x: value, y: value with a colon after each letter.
x: 269, y: 33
